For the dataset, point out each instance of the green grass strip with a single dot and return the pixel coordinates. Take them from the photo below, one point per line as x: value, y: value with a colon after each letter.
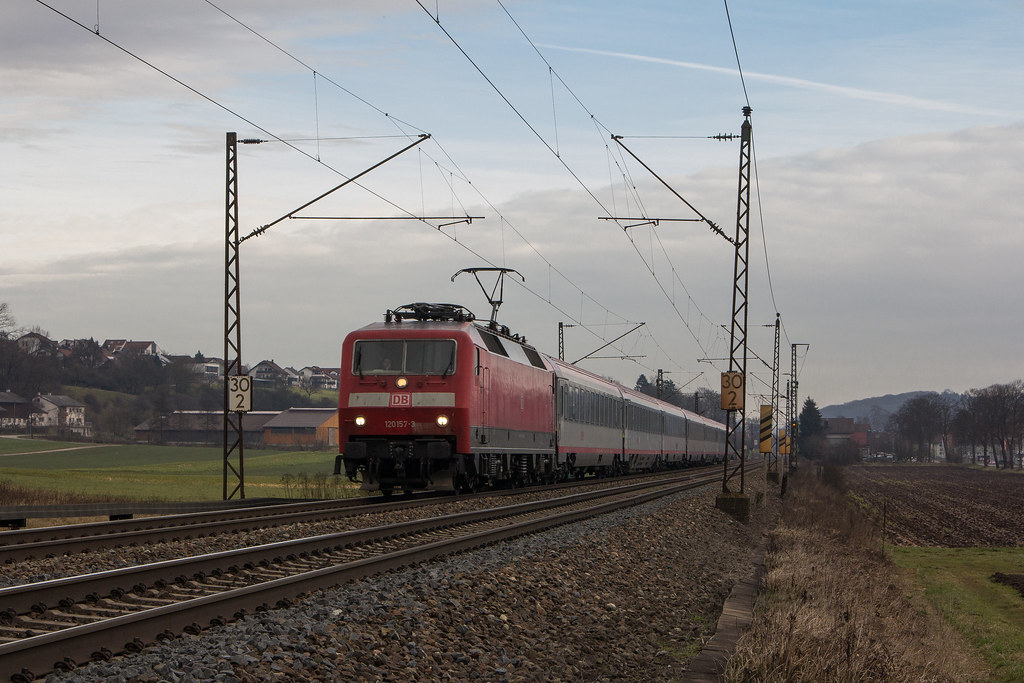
x: 144, y: 472
x: 25, y: 445
x: 990, y: 615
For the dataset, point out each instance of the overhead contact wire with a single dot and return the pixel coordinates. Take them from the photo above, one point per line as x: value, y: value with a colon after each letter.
x: 395, y: 121
x: 436, y: 18
x: 229, y: 110
x: 597, y: 123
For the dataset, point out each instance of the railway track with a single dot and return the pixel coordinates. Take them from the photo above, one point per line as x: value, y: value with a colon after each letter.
x: 54, y: 625
x: 55, y: 541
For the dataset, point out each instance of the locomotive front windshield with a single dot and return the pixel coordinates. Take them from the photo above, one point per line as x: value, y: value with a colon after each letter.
x: 404, y: 357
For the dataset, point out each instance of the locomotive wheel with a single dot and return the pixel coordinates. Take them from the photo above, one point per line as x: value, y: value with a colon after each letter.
x: 467, y: 483
x: 387, y: 493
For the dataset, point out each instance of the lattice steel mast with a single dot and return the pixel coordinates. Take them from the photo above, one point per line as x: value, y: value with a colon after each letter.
x: 233, y: 433
x: 773, y: 456
x: 735, y: 442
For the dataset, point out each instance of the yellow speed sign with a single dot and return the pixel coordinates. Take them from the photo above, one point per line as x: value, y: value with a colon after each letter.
x: 733, y: 390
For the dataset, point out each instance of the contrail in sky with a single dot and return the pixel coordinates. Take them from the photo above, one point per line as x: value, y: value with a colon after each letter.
x: 854, y: 93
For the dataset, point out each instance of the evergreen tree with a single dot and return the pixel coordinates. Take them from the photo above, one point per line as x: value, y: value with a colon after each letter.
x: 812, y: 431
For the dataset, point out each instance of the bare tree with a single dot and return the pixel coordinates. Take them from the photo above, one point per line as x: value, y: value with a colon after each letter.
x: 6, y: 320
x: 994, y: 418
x: 917, y: 422
x: 966, y: 428
x: 1005, y: 404
x: 944, y: 406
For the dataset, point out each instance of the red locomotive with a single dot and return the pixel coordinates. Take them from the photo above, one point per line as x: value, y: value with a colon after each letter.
x: 429, y: 399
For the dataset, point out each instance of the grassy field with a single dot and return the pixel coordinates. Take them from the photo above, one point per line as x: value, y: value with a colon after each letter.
x: 142, y: 472
x: 957, y: 582
x: 20, y: 445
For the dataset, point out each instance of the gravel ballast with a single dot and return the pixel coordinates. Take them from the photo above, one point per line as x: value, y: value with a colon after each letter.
x: 629, y: 596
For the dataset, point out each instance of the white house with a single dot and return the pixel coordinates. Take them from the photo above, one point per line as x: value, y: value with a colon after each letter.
x: 60, y: 411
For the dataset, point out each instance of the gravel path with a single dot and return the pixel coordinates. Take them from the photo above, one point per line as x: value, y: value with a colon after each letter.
x: 630, y: 596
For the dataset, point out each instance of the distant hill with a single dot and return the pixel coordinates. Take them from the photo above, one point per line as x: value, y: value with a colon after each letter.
x: 874, y: 410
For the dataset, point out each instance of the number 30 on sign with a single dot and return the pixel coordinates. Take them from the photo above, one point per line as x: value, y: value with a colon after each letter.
x: 240, y: 393
x: 733, y: 390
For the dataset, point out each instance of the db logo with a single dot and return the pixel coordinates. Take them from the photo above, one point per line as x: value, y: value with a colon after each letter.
x: 401, y: 400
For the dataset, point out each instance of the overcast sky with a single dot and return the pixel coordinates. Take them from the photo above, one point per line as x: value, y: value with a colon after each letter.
x: 888, y: 140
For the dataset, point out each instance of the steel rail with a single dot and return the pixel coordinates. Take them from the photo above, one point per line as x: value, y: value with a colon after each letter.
x: 187, y: 519
x: 74, y: 538
x: 36, y: 597
x: 62, y: 649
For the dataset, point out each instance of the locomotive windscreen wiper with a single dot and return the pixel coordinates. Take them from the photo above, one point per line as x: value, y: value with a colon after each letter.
x: 451, y: 364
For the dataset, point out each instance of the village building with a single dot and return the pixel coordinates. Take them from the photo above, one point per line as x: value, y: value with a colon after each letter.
x: 62, y: 412
x: 207, y: 369
x: 269, y: 373
x: 317, y: 377
x: 840, y: 429
x: 15, y: 411
x: 35, y: 344
x: 127, y: 346
x: 303, y: 428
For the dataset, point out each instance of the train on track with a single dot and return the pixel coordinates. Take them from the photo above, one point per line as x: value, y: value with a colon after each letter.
x: 431, y: 399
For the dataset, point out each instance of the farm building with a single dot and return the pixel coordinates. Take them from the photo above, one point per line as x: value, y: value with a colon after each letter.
x: 14, y: 410
x: 62, y: 412
x: 200, y: 428
x: 303, y: 428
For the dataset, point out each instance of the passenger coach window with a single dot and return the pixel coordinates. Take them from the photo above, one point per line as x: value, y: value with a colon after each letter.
x: 404, y: 357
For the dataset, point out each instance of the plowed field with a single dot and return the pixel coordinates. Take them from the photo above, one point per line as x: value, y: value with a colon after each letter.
x: 943, y: 506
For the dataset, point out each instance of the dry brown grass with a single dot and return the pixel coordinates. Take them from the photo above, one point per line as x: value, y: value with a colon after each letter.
x: 834, y: 608
x: 10, y: 494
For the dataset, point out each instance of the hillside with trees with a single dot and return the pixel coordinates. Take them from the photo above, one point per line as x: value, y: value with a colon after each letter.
x: 980, y: 426
x: 126, y: 390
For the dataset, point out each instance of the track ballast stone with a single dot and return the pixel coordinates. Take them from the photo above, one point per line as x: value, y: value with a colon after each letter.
x: 630, y: 596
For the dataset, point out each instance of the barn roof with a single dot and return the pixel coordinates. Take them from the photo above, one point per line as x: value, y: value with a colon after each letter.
x: 301, y: 418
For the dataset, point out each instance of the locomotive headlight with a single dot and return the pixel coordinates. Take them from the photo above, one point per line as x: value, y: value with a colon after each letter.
x: 401, y: 382
x: 360, y: 420
x: 442, y: 420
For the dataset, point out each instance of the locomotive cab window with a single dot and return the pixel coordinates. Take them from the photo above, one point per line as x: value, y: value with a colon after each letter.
x: 404, y: 357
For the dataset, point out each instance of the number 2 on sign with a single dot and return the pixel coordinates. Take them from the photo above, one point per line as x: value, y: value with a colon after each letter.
x: 240, y: 390
x: 733, y: 390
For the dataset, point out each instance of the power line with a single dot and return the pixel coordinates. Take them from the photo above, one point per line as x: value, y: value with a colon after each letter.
x: 222, y: 106
x: 307, y: 66
x: 760, y: 211
x: 437, y: 165
x: 737, y: 52
x: 760, y: 217
x: 551, y: 69
x: 554, y: 152
x: 288, y: 143
x: 396, y: 122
